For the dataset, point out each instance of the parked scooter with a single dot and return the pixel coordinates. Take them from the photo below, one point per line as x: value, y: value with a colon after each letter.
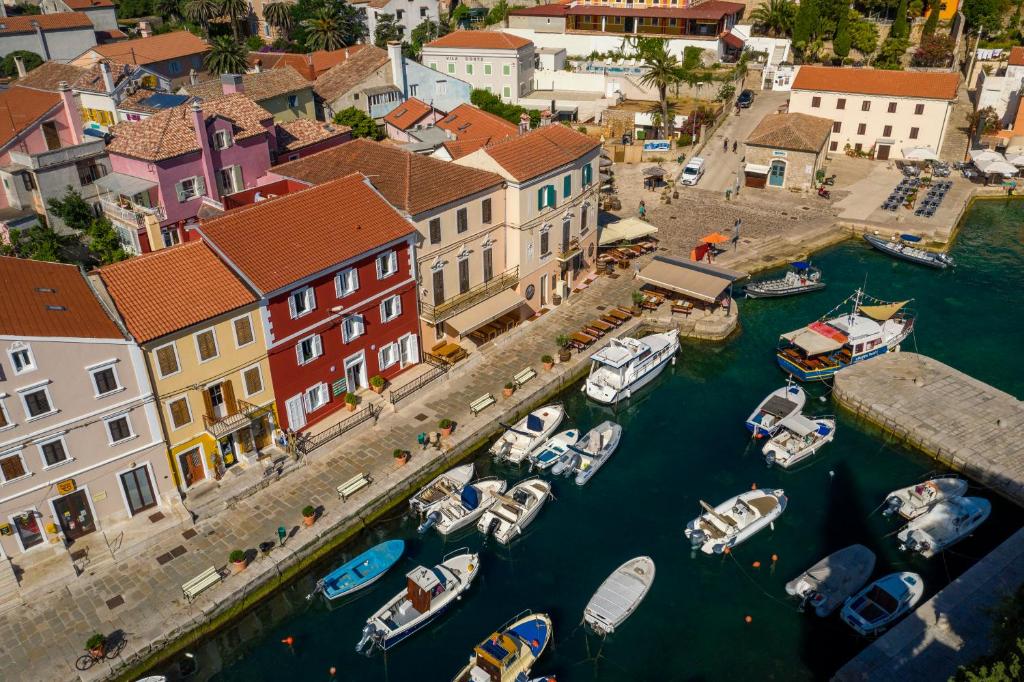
x: 824, y: 193
x: 830, y: 180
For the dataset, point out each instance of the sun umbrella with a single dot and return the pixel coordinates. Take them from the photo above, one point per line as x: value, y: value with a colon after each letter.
x: 919, y: 154
x: 654, y: 171
x: 714, y: 238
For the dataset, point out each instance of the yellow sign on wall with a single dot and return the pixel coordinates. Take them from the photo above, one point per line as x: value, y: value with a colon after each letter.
x: 66, y: 486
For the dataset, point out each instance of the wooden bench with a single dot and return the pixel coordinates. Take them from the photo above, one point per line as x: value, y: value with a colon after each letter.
x: 353, y: 485
x: 481, y: 403
x: 202, y: 582
x: 524, y: 376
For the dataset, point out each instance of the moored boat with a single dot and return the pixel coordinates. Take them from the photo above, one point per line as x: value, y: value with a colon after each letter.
x: 510, y: 652
x: 945, y: 524
x: 619, y: 595
x: 801, y: 278
x: 798, y: 438
x: 902, y: 248
x: 554, y: 448
x: 735, y: 520
x: 625, y: 365
x: 463, y: 510
x: 778, y: 405
x: 881, y: 603
x: 510, y: 516
x: 594, y: 449
x: 914, y: 500
x: 521, y: 439
x: 439, y: 490
x: 831, y: 581
x: 361, y: 571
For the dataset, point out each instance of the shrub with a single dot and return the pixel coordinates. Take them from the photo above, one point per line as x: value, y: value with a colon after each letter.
x: 637, y: 297
x: 308, y: 510
x: 351, y: 399
x: 563, y: 340
x: 547, y: 359
x: 236, y: 556
x: 510, y: 385
x: 398, y: 453
x: 377, y: 381
x: 444, y: 424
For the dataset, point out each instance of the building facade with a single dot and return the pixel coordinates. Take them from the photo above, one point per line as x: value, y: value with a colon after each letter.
x: 60, y: 37
x: 407, y: 15
x: 500, y: 63
x: 282, y: 92
x: 172, y: 55
x: 785, y: 151
x: 102, y: 13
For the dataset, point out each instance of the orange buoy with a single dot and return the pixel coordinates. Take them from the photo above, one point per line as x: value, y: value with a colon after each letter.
x: 535, y: 643
x: 727, y: 550
x: 289, y: 640
x: 757, y: 564
x: 753, y: 486
x: 748, y: 619
x: 333, y: 671
x: 775, y: 557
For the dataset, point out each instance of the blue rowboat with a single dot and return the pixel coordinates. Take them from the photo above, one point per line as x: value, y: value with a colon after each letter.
x: 362, y: 571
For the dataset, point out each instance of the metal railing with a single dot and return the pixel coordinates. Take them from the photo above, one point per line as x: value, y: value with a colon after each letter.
x: 135, y: 215
x: 308, y: 444
x: 218, y: 427
x: 60, y: 156
x: 475, y: 294
x: 438, y: 368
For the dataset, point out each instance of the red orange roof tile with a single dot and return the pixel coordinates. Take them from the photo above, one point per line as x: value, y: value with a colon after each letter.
x: 926, y: 85
x: 541, y: 150
x: 480, y: 40
x: 406, y: 114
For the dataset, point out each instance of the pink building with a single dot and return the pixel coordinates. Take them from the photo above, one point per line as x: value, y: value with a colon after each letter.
x: 410, y: 115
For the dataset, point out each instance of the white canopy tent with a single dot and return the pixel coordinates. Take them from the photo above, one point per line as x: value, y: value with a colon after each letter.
x: 625, y: 230
x: 920, y: 154
x: 992, y: 163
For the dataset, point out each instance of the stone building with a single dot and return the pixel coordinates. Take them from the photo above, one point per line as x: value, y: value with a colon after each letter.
x: 786, y: 150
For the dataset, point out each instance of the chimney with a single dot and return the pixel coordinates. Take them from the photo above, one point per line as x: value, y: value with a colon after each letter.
x: 74, y: 119
x: 397, y: 66
x: 145, y: 29
x: 44, y: 48
x: 193, y: 77
x: 108, y: 77
x: 524, y: 123
x: 19, y: 63
x: 231, y: 83
x: 199, y: 124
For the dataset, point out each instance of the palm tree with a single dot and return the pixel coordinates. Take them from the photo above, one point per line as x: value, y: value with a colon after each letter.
x: 226, y: 56
x: 663, y: 71
x: 279, y: 15
x: 201, y: 12
x: 170, y: 9
x: 325, y: 31
x: 774, y: 16
x: 234, y: 10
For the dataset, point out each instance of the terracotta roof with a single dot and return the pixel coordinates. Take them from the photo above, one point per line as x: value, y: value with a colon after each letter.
x: 342, y: 77
x: 170, y: 133
x: 154, y: 48
x: 468, y: 122
x: 376, y: 4
x: 302, y: 132
x: 92, y: 78
x: 163, y: 291
x: 136, y: 101
x: 31, y: 287
x: 111, y: 35
x: 412, y: 182
x: 259, y: 86
x: 877, y: 82
x: 273, y: 249
x: 459, y: 148
x: 713, y: 10
x: 21, y: 107
x: 406, y: 114
x: 88, y: 4
x: 797, y: 132
x: 555, y: 9
x: 1016, y: 56
x: 480, y: 40
x: 732, y: 40
x: 541, y: 150
x: 48, y: 75
x: 48, y: 22
x: 309, y: 65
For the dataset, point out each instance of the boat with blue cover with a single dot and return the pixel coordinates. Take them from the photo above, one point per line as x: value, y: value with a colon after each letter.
x: 509, y: 653
x: 464, y: 509
x: 903, y: 249
x: 554, y: 448
x: 781, y: 403
x: 362, y: 571
x: 801, y: 278
x: 883, y: 602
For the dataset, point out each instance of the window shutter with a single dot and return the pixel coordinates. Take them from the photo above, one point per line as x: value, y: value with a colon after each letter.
x: 311, y: 298
x: 393, y: 261
x: 381, y: 361
x: 398, y: 306
x: 291, y: 307
x: 179, y: 189
x: 318, y: 346
x: 380, y: 270
x: 540, y: 199
x: 360, y: 325
x: 207, y: 403
x: 354, y: 275
x: 551, y: 196
x: 200, y: 186
x: 306, y: 403
x: 567, y: 186
x: 236, y: 175
x: 298, y: 353
x: 229, y: 396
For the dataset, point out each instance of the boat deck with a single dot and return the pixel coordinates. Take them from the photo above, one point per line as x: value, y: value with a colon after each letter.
x: 764, y: 505
x: 616, y: 598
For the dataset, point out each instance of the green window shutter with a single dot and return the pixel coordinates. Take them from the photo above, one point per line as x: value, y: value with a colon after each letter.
x: 540, y: 199
x: 567, y: 186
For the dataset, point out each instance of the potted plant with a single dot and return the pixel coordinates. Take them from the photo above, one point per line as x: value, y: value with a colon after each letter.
x: 401, y: 456
x: 446, y: 427
x: 96, y: 645
x: 237, y: 559
x: 351, y: 400
x: 638, y: 298
x: 508, y: 390
x: 308, y: 515
x: 377, y: 383
x: 548, y: 361
x: 563, y: 345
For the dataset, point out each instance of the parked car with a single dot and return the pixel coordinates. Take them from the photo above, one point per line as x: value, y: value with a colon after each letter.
x: 692, y: 172
x: 745, y: 99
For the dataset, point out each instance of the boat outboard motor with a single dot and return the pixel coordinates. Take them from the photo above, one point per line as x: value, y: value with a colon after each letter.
x: 697, y: 537
x: 892, y: 505
x: 369, y: 634
x: 769, y: 458
x: 429, y: 522
x: 492, y: 527
x: 574, y: 464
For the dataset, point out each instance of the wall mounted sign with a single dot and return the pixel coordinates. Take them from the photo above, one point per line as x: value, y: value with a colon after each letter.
x: 66, y: 486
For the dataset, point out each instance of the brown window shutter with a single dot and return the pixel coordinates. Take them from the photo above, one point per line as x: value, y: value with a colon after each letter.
x: 205, y: 345
x: 208, y: 404
x: 166, y: 360
x: 179, y: 413
x: 12, y: 468
x: 253, y: 381
x: 229, y: 396
x: 3, y: 418
x: 243, y: 330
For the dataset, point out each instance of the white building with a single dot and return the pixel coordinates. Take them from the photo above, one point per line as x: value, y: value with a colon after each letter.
x: 102, y: 13
x: 60, y: 37
x: 1002, y: 93
x: 498, y: 62
x: 409, y: 13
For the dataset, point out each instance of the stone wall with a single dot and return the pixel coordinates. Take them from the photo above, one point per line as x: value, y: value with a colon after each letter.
x: 800, y: 166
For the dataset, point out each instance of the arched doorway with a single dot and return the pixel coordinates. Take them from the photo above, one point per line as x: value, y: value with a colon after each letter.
x: 777, y: 173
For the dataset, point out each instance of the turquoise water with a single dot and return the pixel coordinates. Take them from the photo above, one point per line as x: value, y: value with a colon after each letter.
x: 683, y: 441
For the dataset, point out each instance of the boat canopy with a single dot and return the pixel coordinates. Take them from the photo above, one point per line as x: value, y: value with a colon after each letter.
x: 881, y: 313
x: 801, y: 265
x: 534, y: 423
x: 778, y: 407
x: 799, y: 424
x: 470, y: 497
x: 625, y: 230
x: 812, y: 342
x: 910, y: 238
x: 702, y: 281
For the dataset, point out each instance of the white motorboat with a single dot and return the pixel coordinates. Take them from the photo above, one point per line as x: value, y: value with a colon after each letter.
x: 945, y: 524
x: 619, y: 595
x: 916, y: 499
x: 623, y: 366
x: 507, y: 519
x: 593, y: 450
x: 462, y: 510
x: 882, y: 602
x: 798, y: 438
x: 831, y: 581
x: 554, y: 448
x: 735, y: 520
x: 437, y: 492
x: 510, y: 652
x: 429, y: 592
x: 778, y: 405
x: 521, y: 439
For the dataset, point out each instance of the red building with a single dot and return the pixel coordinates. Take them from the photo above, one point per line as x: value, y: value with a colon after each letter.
x: 335, y: 267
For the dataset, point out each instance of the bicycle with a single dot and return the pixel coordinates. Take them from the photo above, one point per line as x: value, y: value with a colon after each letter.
x: 112, y: 650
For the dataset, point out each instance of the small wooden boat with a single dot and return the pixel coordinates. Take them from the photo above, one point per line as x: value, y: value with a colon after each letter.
x: 945, y: 524
x: 778, y: 405
x: 916, y: 499
x: 619, y: 595
x: 901, y: 248
x: 555, y: 447
x: 831, y: 581
x: 524, y: 437
x: 361, y: 571
x: 802, y: 278
x: 881, y: 603
x: 507, y: 519
x: 798, y: 438
x: 735, y: 520
x: 437, y: 492
x: 462, y: 510
x: 594, y: 449
x: 510, y: 652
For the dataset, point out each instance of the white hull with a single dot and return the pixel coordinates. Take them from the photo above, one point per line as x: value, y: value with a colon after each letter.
x: 455, y: 517
x: 507, y: 519
x: 944, y: 525
x: 548, y: 453
x: 521, y: 441
x: 883, y: 602
x: 915, y: 500
x: 778, y: 405
x: 599, y: 444
x: 787, y: 448
x: 736, y: 520
x: 440, y: 490
x: 619, y: 595
x: 608, y: 385
x: 828, y: 583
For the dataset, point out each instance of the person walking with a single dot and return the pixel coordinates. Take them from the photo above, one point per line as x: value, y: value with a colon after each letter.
x: 642, y: 210
x: 725, y: 145
x: 734, y: 146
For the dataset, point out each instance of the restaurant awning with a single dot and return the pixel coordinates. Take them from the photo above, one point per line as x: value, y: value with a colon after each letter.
x: 920, y: 154
x: 485, y: 311
x: 127, y: 185
x: 702, y: 281
x: 625, y: 230
x: 756, y: 169
x: 811, y: 342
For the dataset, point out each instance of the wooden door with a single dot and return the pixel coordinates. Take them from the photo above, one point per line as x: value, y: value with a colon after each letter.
x: 74, y: 515
x: 883, y: 152
x: 192, y: 466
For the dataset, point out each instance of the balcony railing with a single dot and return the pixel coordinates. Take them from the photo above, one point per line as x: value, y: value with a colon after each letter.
x: 133, y: 214
x: 476, y: 294
x: 59, y: 157
x: 218, y: 427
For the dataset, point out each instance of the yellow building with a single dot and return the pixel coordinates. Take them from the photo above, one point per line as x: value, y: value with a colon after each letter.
x: 947, y: 10
x: 201, y: 332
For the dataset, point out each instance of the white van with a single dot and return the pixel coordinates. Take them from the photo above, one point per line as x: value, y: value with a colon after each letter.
x: 693, y: 171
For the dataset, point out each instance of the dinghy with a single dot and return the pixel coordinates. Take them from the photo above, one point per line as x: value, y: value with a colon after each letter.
x: 429, y: 593
x: 465, y: 508
x: 944, y: 525
x: 437, y: 492
x: 901, y: 248
x: 526, y: 435
x: 882, y: 602
x: 510, y: 652
x: 916, y: 499
x: 507, y: 519
x: 778, y: 405
x: 619, y: 595
x: 556, y: 446
x: 595, y: 448
x: 831, y: 581
x: 801, y: 279
x: 735, y: 520
x: 625, y: 365
x: 362, y: 571
x: 797, y: 439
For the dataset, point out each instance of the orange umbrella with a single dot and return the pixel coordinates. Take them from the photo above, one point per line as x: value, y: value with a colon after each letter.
x: 714, y: 238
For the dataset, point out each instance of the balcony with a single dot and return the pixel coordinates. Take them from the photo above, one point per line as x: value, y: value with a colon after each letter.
x: 130, y: 213
x: 59, y: 157
x: 247, y: 413
x: 481, y: 292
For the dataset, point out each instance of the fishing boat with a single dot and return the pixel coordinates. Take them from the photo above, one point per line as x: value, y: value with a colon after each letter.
x: 801, y: 278
x: 902, y: 248
x: 945, y: 524
x: 619, y: 595
x: 593, y: 450
x: 510, y: 652
x: 822, y: 348
x: 735, y: 520
x: 462, y: 510
x: 625, y: 365
x: 882, y: 602
x: 429, y: 592
x: 361, y: 571
x: 778, y: 405
x: 554, y: 448
x: 916, y: 499
x: 834, y: 579
x: 437, y: 492
x: 798, y: 438
x: 507, y: 519
x: 521, y: 439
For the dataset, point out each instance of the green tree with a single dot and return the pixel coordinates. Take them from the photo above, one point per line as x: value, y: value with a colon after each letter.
x: 863, y: 34
x: 226, y: 56
x: 325, y: 31
x: 725, y: 92
x: 498, y: 13
x: 235, y: 10
x: 663, y: 71
x: 72, y: 209
x: 426, y: 32
x: 387, y: 30
x: 134, y: 8
x: 168, y: 9
x: 9, y: 69
x: 360, y: 122
x: 279, y: 15
x: 987, y: 15
x: 900, y: 26
x: 40, y: 242
x: 933, y: 51
x: 104, y: 243
x: 890, y: 55
x: 806, y: 23
x: 201, y: 12
x: 774, y: 17
x: 932, y: 22
x: 842, y: 42
x: 459, y: 17
x: 512, y: 113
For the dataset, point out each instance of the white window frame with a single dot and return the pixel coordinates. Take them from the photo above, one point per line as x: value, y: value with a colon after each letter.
x: 506, y: 91
x: 396, y: 301
x: 96, y: 369
x: 156, y: 359
x: 245, y: 386
x: 487, y: 68
x: 42, y: 456
x: 226, y: 136
x: 309, y: 295
x: 451, y: 68
x: 20, y: 455
x: 14, y: 530
x: 317, y: 347
x: 216, y: 345
x: 22, y: 348
x: 396, y: 357
x: 506, y: 69
x: 170, y: 412
x: 341, y: 281
x: 252, y: 328
x: 349, y: 337
x: 6, y: 413
x: 131, y: 429
x: 391, y: 258
x: 42, y: 386
x: 321, y: 389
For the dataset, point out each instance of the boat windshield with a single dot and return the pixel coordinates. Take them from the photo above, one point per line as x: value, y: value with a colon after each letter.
x: 604, y: 374
x: 882, y: 600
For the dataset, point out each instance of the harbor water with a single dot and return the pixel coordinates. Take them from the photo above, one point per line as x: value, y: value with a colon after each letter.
x: 684, y: 441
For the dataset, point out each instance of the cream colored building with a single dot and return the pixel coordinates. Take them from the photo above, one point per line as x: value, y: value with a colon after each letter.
x: 500, y: 63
